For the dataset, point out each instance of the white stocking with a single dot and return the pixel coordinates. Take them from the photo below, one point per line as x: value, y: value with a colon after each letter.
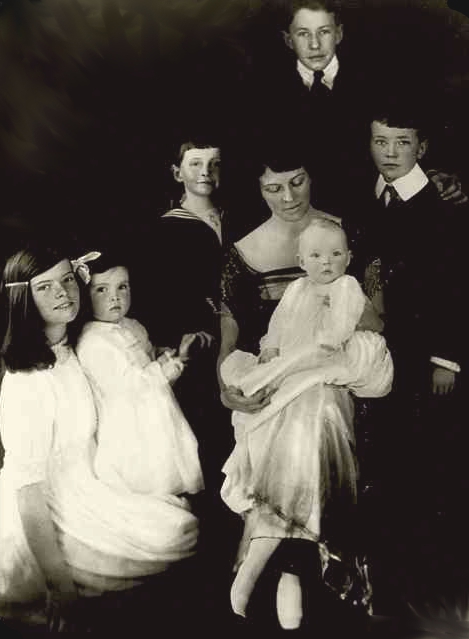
x: 260, y: 551
x: 289, y: 601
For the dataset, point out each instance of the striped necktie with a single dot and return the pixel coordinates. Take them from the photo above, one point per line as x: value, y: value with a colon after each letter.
x: 390, y: 196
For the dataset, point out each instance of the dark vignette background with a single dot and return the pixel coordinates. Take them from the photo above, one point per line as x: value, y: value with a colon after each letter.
x: 93, y: 102
x: 94, y: 98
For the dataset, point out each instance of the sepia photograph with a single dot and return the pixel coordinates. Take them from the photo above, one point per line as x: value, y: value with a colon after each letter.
x: 232, y: 349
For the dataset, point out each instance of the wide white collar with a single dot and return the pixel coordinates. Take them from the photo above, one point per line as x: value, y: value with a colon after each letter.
x: 406, y: 186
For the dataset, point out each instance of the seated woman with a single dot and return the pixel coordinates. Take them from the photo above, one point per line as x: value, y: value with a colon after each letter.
x: 295, y: 456
x: 257, y: 271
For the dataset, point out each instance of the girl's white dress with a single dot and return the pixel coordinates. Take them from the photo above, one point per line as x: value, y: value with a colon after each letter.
x: 111, y: 538
x: 288, y: 456
x: 145, y: 444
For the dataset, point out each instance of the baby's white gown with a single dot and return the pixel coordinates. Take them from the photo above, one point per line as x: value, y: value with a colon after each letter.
x: 278, y: 475
x: 111, y: 538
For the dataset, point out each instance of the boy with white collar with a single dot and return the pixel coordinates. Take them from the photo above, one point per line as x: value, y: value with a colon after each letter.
x: 415, y: 277
x: 397, y: 145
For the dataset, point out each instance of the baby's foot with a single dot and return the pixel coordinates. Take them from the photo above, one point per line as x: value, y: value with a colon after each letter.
x: 289, y: 601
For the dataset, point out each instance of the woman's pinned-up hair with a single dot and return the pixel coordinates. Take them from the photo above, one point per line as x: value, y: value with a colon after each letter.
x: 24, y: 344
x: 280, y: 155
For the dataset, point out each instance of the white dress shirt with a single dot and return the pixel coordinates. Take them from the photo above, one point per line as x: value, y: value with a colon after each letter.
x: 330, y: 73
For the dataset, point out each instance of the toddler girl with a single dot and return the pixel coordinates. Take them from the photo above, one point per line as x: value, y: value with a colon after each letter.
x: 145, y: 445
x: 295, y: 457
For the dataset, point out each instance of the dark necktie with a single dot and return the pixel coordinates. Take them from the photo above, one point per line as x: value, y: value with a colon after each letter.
x: 318, y: 88
x: 390, y: 196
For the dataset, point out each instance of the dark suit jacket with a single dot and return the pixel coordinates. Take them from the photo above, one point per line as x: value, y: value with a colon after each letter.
x: 331, y: 131
x: 333, y: 128
x: 423, y: 275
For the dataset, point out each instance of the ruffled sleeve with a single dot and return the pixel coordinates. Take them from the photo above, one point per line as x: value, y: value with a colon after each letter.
x: 141, y: 334
x: 27, y: 413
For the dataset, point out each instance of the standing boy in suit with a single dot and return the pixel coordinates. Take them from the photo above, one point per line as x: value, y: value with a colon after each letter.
x: 414, y: 276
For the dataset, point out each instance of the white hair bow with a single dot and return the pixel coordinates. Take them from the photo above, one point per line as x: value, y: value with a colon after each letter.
x: 81, y: 268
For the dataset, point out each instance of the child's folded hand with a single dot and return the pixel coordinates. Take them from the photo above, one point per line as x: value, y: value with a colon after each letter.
x: 166, y: 355
x: 157, y: 351
x: 443, y: 381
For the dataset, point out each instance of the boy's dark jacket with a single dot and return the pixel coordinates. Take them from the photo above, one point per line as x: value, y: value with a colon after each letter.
x: 420, y: 246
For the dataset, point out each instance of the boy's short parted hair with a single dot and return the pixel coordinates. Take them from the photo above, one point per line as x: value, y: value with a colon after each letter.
x: 24, y: 343
x: 408, y: 115
x: 329, y: 6
x: 200, y: 142
x: 195, y: 143
x: 321, y: 222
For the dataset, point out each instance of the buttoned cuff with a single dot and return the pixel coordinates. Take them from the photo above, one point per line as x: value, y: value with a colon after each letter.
x: 445, y: 363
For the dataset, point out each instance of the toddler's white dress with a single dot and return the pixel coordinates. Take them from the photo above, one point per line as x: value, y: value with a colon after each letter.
x: 145, y: 444
x: 289, y: 455
x: 111, y: 538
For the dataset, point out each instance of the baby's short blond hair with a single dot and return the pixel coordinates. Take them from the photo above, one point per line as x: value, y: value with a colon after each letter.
x: 320, y: 222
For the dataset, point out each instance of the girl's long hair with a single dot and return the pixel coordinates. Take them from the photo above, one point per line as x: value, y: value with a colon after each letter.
x: 24, y: 344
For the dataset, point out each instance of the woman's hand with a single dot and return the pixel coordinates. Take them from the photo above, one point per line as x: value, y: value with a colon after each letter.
x: 62, y: 598
x: 449, y: 187
x: 443, y: 381
x: 233, y: 398
x: 267, y: 354
x: 202, y: 339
